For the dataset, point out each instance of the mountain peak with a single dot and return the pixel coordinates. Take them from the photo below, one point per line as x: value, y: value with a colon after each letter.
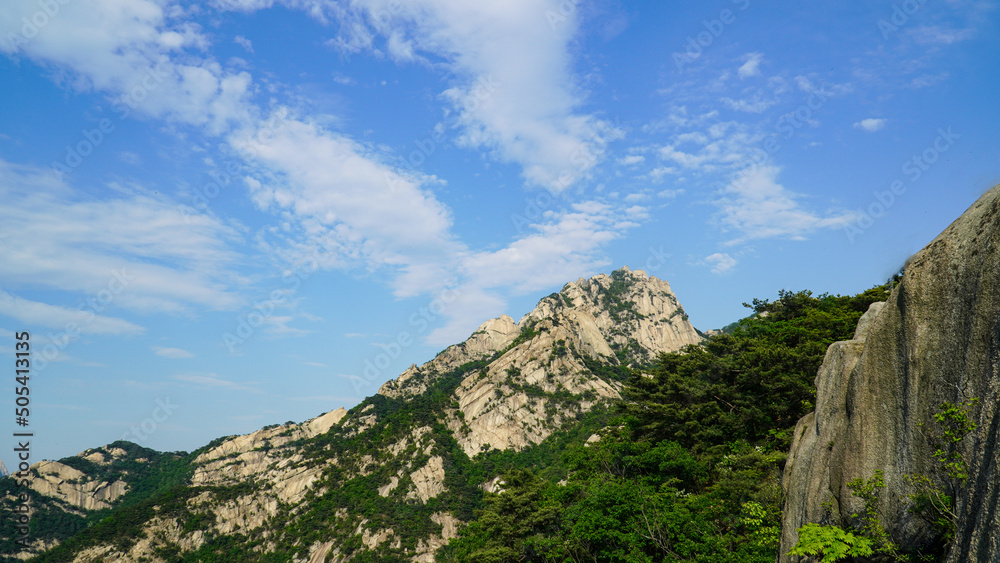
x: 508, y: 374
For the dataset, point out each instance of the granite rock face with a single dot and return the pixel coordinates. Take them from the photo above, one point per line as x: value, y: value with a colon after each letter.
x: 936, y: 340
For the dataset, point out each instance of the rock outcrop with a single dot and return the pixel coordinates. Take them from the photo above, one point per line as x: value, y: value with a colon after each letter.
x: 936, y: 340
x: 73, y: 486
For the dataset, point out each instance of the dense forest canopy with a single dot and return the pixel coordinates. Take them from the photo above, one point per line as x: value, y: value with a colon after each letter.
x: 689, y: 468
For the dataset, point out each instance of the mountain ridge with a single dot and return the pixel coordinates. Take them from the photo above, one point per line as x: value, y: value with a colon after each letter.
x: 505, y: 390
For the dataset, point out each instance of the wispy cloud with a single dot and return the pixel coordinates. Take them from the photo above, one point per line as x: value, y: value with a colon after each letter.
x: 172, y: 353
x: 117, y: 46
x: 752, y: 65
x: 212, y: 380
x: 756, y: 206
x: 244, y: 42
x: 871, y: 124
x: 60, y: 239
x: 631, y: 160
x: 720, y: 263
x: 52, y: 316
x: 514, y: 91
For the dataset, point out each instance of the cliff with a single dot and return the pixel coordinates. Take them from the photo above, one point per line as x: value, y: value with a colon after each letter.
x: 936, y: 340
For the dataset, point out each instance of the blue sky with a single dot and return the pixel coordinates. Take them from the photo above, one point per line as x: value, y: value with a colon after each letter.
x: 225, y: 215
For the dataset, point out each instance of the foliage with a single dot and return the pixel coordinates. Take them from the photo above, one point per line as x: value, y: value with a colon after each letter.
x: 931, y: 501
x: 831, y: 543
x: 871, y: 525
x: 956, y: 423
x: 632, y: 501
x: 751, y: 384
x: 691, y: 471
x: 934, y: 502
x: 757, y: 520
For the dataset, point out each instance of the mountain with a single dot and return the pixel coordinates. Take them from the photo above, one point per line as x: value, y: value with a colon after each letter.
x: 391, y: 479
x: 906, y: 413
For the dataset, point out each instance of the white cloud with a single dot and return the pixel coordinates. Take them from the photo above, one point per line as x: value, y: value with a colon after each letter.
x: 752, y: 65
x: 720, y: 263
x: 57, y: 238
x: 347, y: 202
x: 244, y: 42
x: 565, y: 245
x: 513, y: 92
x: 670, y: 194
x: 631, y: 160
x: 657, y: 174
x: 560, y: 248
x: 871, y: 124
x: 212, y: 380
x: 52, y: 316
x: 756, y: 206
x: 172, y: 353
x: 721, y: 147
x: 754, y: 105
x: 940, y: 35
x: 344, y: 80
x: 130, y: 49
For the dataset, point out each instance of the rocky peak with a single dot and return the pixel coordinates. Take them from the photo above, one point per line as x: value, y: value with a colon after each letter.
x: 625, y: 318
